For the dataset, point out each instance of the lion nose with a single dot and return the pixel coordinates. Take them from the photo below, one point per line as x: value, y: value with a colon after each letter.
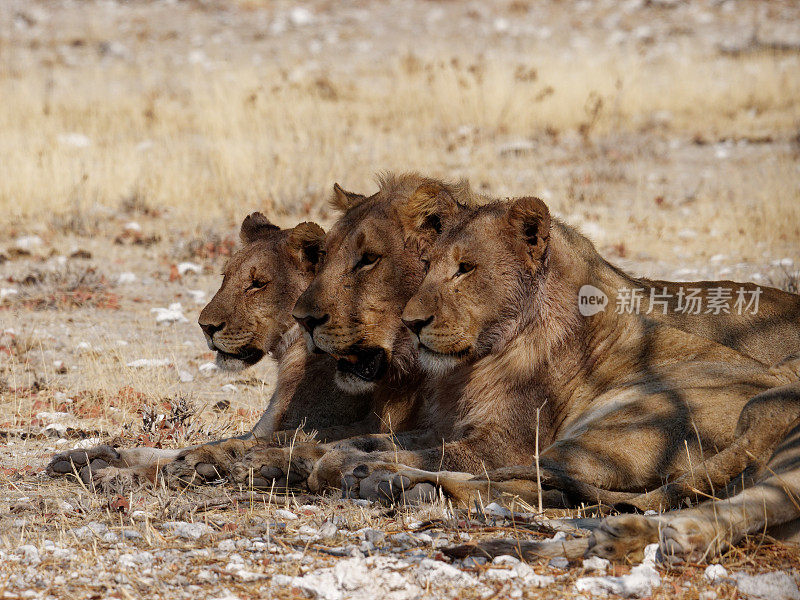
x: 309, y: 322
x: 211, y: 328
x: 416, y: 325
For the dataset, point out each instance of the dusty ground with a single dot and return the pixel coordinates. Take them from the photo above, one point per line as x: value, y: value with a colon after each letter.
x: 135, y: 136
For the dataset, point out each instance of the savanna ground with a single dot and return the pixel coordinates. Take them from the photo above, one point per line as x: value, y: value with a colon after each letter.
x: 134, y: 136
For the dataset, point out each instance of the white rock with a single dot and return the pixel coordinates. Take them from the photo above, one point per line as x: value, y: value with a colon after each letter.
x: 126, y: 277
x: 197, y: 57
x: 185, y: 377
x: 135, y: 561
x: 434, y: 571
x: 495, y: 510
x: 287, y: 515
x: 182, y: 529
x: 172, y: 314
x: 357, y: 579
x: 141, y: 363
x: 230, y: 388
x: 715, y: 573
x: 595, y: 563
x: 308, y: 533
x: 28, y: 242
x: 505, y: 559
x: 29, y: 554
x: 777, y: 585
x: 206, y: 576
x: 650, y: 553
x: 501, y: 25
x: 75, y: 140
x: 8, y: 292
x: 637, y: 584
x: 83, y: 347
x: 132, y: 226
x: 300, y: 16
x: 189, y: 267
x: 242, y: 574
x: 52, y: 417
x: 558, y: 562
x: 328, y: 530
x: 718, y: 258
x: 207, y: 367
x: 198, y: 296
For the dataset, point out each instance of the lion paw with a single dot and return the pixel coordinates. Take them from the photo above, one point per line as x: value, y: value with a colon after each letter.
x: 207, y: 464
x: 391, y: 483
x: 689, y: 538
x: 623, y: 537
x: 276, y: 468
x: 84, y: 464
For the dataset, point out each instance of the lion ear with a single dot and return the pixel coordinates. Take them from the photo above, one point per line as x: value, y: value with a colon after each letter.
x: 344, y: 200
x: 425, y: 208
x: 530, y: 220
x: 305, y: 243
x: 255, y: 226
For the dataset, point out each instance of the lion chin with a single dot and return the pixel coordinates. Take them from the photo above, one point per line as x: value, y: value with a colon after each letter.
x: 435, y: 364
x: 238, y: 362
x: 352, y: 384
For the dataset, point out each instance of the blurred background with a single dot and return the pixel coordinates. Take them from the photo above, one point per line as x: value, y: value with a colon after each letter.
x: 205, y: 110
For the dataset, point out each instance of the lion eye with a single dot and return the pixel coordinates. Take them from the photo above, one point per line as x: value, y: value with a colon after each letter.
x: 257, y: 284
x: 464, y: 268
x: 426, y: 264
x: 367, y: 260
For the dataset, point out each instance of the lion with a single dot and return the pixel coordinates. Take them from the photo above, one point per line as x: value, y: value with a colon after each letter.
x: 249, y: 318
x: 623, y: 407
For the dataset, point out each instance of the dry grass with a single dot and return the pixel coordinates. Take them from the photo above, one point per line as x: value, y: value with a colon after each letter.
x: 210, y: 138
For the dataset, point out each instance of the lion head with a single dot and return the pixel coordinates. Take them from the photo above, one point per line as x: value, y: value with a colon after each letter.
x: 371, y: 265
x: 252, y: 310
x: 485, y: 268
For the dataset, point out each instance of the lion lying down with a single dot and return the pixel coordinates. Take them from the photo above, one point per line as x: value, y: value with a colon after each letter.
x: 626, y: 401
